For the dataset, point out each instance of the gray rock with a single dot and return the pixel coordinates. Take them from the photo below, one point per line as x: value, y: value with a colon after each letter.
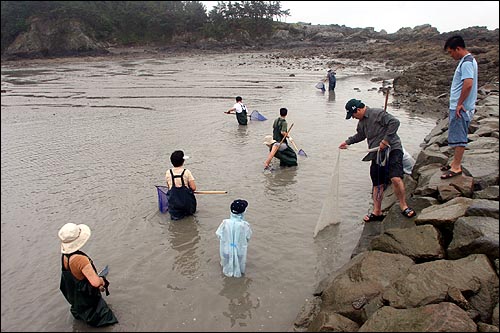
x: 442, y: 317
x: 419, y: 243
x: 474, y: 234
x: 482, y: 207
x: 489, y: 193
x: 429, y: 282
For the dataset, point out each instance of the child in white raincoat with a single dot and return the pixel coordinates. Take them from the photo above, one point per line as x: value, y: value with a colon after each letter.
x: 234, y: 234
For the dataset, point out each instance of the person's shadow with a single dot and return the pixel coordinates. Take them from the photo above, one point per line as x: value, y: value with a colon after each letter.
x: 184, y: 238
x: 240, y: 305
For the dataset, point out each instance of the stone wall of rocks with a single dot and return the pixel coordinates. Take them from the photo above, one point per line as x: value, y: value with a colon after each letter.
x: 438, y: 271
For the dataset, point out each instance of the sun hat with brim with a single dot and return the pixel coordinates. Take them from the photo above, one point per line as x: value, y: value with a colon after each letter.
x: 73, y: 237
x: 268, y: 140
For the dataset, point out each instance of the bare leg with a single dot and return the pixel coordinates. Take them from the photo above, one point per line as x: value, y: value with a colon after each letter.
x: 399, y: 190
x: 271, y: 155
x: 378, y: 194
x: 456, y: 164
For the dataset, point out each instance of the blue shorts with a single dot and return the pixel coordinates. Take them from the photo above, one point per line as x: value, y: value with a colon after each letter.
x: 458, y: 128
x: 381, y: 175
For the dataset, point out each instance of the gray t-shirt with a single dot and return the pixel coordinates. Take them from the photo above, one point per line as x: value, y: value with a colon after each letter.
x: 376, y: 126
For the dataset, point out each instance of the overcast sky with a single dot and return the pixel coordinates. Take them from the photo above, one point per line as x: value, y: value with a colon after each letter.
x: 445, y: 16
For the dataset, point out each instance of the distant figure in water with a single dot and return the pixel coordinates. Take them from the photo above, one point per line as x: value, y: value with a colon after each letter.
x: 332, y: 80
x: 241, y: 111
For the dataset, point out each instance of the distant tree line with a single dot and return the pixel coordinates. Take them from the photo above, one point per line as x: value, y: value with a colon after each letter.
x: 126, y: 22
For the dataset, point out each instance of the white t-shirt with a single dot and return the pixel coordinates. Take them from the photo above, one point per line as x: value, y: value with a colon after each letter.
x: 239, y: 107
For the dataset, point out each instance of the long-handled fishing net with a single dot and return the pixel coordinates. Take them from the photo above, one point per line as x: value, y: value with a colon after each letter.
x: 300, y: 152
x: 162, y: 198
x: 330, y: 211
x: 256, y: 115
x: 320, y: 85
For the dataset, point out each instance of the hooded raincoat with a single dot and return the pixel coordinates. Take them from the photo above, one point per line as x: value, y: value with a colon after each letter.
x: 234, y: 234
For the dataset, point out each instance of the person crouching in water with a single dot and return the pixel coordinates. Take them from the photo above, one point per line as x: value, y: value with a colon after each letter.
x: 80, y: 284
x: 287, y: 156
x: 234, y: 234
x: 278, y: 144
x: 181, y: 187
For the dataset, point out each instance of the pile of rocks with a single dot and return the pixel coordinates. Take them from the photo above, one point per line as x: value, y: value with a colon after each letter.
x: 438, y: 271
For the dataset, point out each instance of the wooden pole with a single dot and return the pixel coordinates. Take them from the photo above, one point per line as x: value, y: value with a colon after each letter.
x: 388, y: 89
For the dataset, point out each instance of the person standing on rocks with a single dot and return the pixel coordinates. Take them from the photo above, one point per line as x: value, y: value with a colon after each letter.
x: 380, y: 128
x: 241, y: 111
x: 463, y: 96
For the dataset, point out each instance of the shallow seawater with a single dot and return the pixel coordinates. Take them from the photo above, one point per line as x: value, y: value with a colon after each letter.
x: 87, y: 141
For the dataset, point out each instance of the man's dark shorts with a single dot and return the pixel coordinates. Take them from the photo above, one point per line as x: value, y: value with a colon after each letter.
x: 383, y: 174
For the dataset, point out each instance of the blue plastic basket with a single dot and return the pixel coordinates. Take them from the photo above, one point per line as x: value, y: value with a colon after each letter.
x: 162, y: 198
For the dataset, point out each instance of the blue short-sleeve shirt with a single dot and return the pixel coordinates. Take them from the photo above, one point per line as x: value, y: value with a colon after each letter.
x: 466, y: 69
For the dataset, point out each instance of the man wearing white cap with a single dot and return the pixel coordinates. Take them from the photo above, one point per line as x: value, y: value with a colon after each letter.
x: 80, y: 284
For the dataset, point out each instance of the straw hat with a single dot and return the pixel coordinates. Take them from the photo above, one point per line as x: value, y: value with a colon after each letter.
x: 73, y: 237
x: 268, y: 140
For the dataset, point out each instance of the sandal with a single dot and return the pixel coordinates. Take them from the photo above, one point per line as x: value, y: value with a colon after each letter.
x: 450, y: 174
x: 372, y: 217
x: 409, y: 212
x: 445, y: 167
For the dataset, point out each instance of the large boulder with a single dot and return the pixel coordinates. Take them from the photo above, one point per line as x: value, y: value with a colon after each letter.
x: 54, y: 38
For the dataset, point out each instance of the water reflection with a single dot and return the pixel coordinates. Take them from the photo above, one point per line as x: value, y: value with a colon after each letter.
x: 242, y: 134
x: 184, y: 238
x: 331, y: 96
x: 280, y: 178
x: 240, y: 305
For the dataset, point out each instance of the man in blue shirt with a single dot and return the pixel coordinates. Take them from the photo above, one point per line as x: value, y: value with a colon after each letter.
x: 463, y: 96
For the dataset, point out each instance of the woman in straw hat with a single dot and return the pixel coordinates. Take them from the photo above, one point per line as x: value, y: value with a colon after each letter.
x: 287, y: 155
x: 80, y: 284
x: 278, y: 144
